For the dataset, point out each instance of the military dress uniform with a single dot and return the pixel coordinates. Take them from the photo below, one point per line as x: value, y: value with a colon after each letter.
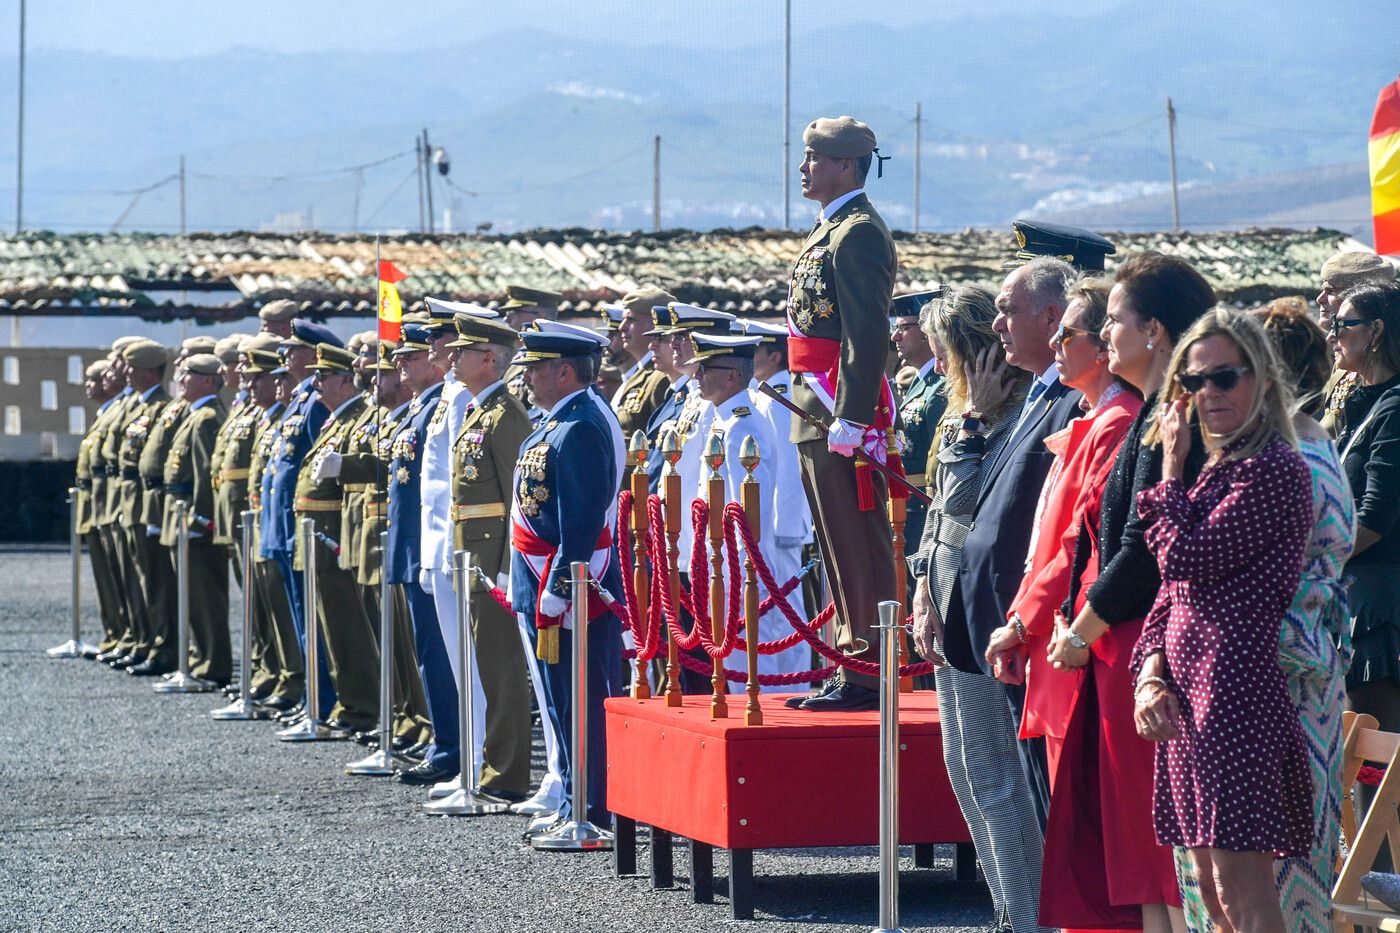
x: 149, y: 594
x: 279, y: 663
x: 105, y: 516
x: 188, y: 476
x: 155, y: 453
x: 484, y: 453
x: 91, y: 482
x: 351, y: 649
x: 643, y: 391
x: 838, y: 298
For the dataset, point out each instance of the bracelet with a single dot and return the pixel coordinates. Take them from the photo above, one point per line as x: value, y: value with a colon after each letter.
x: 1020, y: 628
x: 1152, y: 682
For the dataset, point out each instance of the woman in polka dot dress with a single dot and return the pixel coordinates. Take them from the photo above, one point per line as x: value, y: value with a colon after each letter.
x: 1231, y: 780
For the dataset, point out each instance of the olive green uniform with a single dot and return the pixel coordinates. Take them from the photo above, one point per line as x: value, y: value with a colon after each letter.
x: 160, y: 576
x: 146, y: 594
x: 642, y: 393
x: 91, y: 482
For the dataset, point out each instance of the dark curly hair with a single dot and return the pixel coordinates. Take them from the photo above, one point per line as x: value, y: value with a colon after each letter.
x: 1302, y: 350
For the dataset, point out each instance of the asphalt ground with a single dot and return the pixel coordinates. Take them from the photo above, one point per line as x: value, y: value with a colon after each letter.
x: 124, y: 810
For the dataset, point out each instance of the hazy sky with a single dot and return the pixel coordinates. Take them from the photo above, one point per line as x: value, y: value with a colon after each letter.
x: 173, y: 28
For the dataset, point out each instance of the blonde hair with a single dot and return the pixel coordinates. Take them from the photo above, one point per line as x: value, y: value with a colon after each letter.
x: 961, y: 318
x: 1271, y: 408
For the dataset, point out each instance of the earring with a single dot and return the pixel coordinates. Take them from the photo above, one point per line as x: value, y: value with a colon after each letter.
x: 1149, y: 344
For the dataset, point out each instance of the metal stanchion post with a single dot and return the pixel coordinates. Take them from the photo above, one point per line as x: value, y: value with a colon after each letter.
x: 242, y: 708
x: 74, y: 646
x: 380, y: 762
x: 311, y: 728
x: 891, y: 634
x: 466, y: 800
x: 578, y: 834
x: 182, y: 681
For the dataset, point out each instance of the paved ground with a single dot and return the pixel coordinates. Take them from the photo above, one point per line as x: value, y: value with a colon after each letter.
x: 121, y: 810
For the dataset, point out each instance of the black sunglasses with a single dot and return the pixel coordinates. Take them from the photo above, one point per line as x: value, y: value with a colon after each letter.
x: 1066, y: 333
x: 1223, y: 379
x: 1348, y: 322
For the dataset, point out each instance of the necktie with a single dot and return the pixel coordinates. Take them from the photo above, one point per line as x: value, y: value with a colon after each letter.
x: 1037, y: 390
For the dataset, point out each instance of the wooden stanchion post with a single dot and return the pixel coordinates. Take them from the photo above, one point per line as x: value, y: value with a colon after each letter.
x: 714, y: 456
x: 671, y: 451
x: 641, y: 578
x: 898, y: 509
x: 749, y: 459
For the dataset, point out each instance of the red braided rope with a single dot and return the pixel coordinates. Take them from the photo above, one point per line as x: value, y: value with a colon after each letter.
x: 1370, y: 776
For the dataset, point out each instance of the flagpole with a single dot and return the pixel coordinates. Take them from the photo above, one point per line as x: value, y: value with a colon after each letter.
x: 379, y: 476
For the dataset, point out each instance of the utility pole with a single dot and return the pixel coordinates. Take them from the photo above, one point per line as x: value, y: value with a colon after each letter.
x: 418, y: 157
x: 355, y: 211
x: 182, y: 195
x: 656, y: 185
x: 787, y: 114
x: 19, y: 141
x: 918, y: 160
x: 1171, y: 141
x: 428, y: 177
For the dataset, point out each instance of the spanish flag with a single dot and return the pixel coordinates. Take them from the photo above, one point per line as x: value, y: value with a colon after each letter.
x: 1385, y: 169
x: 390, y: 307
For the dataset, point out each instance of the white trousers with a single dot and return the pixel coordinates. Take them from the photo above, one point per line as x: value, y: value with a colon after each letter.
x: 445, y: 601
x: 785, y: 562
x: 552, y: 784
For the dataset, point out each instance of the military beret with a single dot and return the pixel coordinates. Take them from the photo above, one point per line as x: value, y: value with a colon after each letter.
x: 1079, y: 247
x: 333, y: 359
x: 521, y: 296
x: 266, y: 343
x: 645, y: 298
x: 473, y: 330
x: 356, y: 341
x: 145, y: 354
x: 120, y: 344
x: 283, y: 309
x: 229, y: 347
x: 95, y: 369
x: 202, y: 364
x: 1355, y: 267
x: 839, y: 137
x: 200, y: 344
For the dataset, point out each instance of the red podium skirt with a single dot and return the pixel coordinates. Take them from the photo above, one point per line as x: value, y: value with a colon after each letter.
x: 1102, y: 860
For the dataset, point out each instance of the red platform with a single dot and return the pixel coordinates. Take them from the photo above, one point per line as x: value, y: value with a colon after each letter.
x: 800, y: 779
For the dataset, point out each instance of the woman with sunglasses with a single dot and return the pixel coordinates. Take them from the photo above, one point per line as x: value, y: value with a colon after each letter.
x: 1082, y: 708
x: 1232, y: 782
x: 1366, y: 341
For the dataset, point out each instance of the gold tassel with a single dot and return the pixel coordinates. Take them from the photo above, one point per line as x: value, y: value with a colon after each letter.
x: 547, y: 645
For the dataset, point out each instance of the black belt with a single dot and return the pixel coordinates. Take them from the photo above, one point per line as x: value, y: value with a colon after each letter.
x: 130, y: 473
x: 153, y: 483
x: 84, y: 484
x: 180, y: 489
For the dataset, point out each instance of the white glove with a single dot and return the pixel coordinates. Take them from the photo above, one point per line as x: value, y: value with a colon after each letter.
x: 503, y: 583
x: 425, y: 578
x: 328, y: 467
x: 843, y: 438
x: 788, y: 542
x: 551, y: 605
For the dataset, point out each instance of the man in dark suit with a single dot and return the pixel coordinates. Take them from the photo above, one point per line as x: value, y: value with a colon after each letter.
x: 1000, y: 782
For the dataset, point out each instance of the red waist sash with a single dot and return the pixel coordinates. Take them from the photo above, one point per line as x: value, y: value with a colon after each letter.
x: 527, y: 542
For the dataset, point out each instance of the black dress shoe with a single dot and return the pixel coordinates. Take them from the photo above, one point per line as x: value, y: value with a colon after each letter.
x: 107, y: 657
x: 90, y: 653
x: 274, y: 704
x: 425, y: 774
x: 825, y: 687
x: 291, y: 713
x: 151, y: 667
x: 122, y: 662
x: 507, y: 796
x: 847, y: 697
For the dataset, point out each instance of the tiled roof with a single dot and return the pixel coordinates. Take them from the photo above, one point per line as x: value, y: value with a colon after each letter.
x: 743, y: 270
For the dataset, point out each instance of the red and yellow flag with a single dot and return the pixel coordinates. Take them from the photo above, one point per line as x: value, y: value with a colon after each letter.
x: 1384, y: 151
x: 390, y: 307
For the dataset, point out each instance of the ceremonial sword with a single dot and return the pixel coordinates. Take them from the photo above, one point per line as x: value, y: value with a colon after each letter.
x: 860, y: 454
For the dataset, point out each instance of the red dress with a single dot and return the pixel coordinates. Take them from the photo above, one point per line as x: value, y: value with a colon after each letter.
x: 1102, y: 860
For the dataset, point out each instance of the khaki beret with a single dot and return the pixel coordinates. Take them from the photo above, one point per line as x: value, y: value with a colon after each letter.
x: 145, y: 354
x: 645, y: 298
x: 120, y: 344
x: 839, y: 137
x: 95, y: 369
x: 228, y: 348
x: 283, y: 309
x: 202, y: 364
x: 1355, y: 267
x: 267, y: 343
x: 191, y: 345
x: 359, y: 341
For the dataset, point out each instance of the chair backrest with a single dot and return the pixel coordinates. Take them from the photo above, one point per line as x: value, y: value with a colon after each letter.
x: 1365, y: 743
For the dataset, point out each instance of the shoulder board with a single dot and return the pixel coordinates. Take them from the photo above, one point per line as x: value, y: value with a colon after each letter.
x: 743, y: 410
x: 781, y: 388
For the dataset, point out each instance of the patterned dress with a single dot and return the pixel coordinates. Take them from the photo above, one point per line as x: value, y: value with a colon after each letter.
x: 1315, y: 670
x: 1231, y: 556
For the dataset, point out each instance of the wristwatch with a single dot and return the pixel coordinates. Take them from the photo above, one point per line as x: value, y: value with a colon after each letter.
x: 973, y: 421
x: 1075, y: 641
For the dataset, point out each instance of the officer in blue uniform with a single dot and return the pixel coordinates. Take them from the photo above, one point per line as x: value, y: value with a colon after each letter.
x: 300, y: 426
x: 565, y: 486
x: 404, y: 559
x: 920, y: 406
